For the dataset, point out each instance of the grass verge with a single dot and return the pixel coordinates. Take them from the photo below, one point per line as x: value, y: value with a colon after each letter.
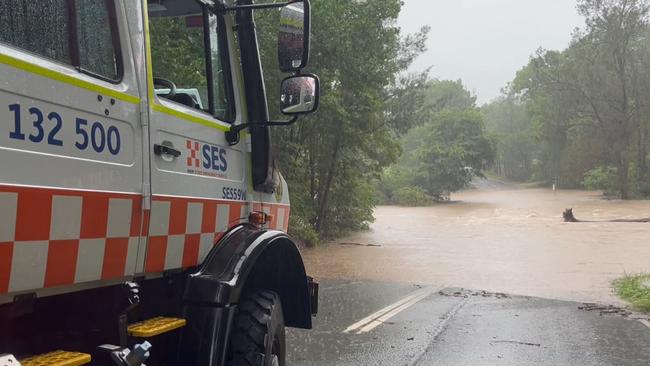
x: 635, y: 290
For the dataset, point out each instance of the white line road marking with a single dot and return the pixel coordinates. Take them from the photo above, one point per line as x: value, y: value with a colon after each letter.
x: 381, y: 312
x: 645, y: 322
x: 384, y: 318
x: 381, y: 316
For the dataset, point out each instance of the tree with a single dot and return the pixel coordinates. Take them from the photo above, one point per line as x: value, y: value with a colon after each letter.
x: 508, y: 122
x: 330, y: 158
x: 454, y: 149
x: 448, y: 94
x: 588, y: 103
x: 614, y: 28
x: 593, y: 82
x: 444, y: 153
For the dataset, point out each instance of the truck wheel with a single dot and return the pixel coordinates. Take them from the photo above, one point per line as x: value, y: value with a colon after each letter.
x: 258, y: 331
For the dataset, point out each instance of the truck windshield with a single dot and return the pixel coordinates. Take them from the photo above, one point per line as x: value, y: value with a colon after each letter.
x: 179, y: 56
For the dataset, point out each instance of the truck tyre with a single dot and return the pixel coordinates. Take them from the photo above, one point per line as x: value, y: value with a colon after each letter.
x: 258, y: 331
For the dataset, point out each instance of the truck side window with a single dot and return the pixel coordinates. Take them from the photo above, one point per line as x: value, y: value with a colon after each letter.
x: 179, y: 56
x: 219, y: 70
x: 24, y: 24
x: 97, y: 38
x: 81, y: 33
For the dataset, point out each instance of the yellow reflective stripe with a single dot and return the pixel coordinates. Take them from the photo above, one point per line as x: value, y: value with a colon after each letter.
x: 190, y: 118
x: 67, y: 79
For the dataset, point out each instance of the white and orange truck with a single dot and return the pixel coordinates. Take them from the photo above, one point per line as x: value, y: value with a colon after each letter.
x: 142, y: 215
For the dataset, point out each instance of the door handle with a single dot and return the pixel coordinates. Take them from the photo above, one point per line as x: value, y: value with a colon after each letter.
x: 166, y: 150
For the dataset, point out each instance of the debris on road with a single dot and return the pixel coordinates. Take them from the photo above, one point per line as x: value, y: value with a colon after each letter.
x: 498, y: 295
x: 465, y: 328
x: 360, y: 245
x: 519, y: 343
x: 605, y: 309
x: 454, y: 294
x: 569, y: 217
x: 466, y: 293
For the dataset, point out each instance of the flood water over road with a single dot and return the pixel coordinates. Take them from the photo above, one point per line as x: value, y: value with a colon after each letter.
x: 505, y: 240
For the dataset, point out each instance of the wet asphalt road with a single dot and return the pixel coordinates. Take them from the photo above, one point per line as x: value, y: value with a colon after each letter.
x: 454, y: 327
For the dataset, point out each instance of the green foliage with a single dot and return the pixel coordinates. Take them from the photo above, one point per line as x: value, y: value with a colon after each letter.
x: 177, y: 51
x: 381, y: 198
x: 635, y: 290
x: 329, y: 158
x: 411, y: 197
x: 601, y: 179
x: 641, y: 187
x: 585, y: 106
x: 454, y: 149
x: 303, y: 231
x: 352, y: 206
x: 508, y: 122
x: 395, y: 177
x: 444, y: 153
x: 447, y: 94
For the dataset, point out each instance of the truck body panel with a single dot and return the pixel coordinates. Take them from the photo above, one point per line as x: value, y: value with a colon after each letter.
x: 84, y: 200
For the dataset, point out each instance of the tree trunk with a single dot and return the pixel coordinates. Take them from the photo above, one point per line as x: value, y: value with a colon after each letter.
x: 312, y: 174
x: 324, y: 201
x: 642, y: 153
x: 623, y: 175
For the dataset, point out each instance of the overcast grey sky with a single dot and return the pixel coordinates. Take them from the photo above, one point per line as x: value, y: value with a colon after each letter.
x: 485, y: 42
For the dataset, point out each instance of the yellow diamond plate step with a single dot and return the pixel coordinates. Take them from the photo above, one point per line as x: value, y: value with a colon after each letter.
x: 155, y: 326
x: 57, y: 358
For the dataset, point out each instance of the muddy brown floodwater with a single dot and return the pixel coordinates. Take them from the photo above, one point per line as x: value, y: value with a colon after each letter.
x: 508, y: 240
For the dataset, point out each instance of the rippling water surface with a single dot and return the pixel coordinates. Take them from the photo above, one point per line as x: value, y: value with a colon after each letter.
x: 498, y: 240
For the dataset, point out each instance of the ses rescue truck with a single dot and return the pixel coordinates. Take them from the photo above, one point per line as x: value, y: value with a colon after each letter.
x: 142, y: 216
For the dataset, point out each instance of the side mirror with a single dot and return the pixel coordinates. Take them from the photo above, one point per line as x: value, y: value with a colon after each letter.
x: 300, y: 95
x: 293, y: 38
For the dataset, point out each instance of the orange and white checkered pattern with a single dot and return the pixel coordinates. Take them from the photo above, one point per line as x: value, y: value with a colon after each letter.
x: 51, y: 238
x: 195, y: 149
x: 182, y: 231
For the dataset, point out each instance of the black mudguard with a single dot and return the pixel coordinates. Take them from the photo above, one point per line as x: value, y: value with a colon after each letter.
x: 245, y: 258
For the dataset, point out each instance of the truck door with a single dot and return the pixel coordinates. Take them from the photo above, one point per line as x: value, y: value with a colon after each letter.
x: 70, y: 145
x: 198, y: 182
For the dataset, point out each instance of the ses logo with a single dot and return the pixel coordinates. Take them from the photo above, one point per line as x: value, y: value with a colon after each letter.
x: 207, y: 160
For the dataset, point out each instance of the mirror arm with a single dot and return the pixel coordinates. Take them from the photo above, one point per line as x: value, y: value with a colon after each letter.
x: 233, y: 135
x: 290, y: 122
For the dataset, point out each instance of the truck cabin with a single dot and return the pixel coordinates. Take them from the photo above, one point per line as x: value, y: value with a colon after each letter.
x: 189, y: 53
